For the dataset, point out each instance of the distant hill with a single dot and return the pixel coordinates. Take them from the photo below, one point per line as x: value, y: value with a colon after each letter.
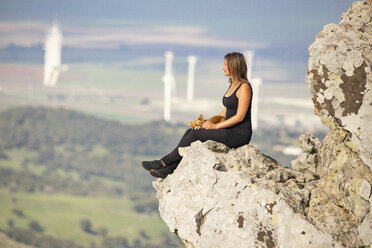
x: 33, y: 127
x: 78, y: 153
x: 60, y: 165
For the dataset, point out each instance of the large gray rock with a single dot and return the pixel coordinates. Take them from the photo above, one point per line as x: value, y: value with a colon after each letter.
x: 214, y: 200
x: 221, y: 197
x: 340, y: 80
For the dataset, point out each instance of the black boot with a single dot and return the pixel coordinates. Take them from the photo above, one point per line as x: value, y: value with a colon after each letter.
x: 165, y: 171
x: 149, y: 165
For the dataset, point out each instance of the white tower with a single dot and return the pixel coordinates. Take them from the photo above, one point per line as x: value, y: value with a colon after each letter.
x: 168, y: 80
x: 249, y: 54
x: 256, y: 82
x: 52, y: 58
x: 191, y: 78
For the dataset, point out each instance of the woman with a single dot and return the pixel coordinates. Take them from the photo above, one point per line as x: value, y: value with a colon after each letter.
x: 235, y: 131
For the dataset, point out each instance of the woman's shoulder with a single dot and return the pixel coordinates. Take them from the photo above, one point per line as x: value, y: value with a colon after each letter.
x: 244, y: 91
x: 245, y: 86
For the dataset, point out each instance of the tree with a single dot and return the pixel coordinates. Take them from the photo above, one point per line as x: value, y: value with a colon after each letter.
x: 86, y: 226
x: 144, y: 235
x: 18, y: 212
x: 35, y: 226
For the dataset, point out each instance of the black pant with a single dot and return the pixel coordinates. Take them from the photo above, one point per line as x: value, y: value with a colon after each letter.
x: 222, y: 135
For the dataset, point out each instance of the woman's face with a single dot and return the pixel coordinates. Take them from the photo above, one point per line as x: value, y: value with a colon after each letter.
x: 225, y: 68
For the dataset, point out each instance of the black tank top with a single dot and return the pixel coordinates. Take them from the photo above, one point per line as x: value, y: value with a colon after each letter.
x: 231, y: 103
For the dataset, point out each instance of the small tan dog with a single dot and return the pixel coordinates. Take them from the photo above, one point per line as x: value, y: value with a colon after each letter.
x: 197, y: 124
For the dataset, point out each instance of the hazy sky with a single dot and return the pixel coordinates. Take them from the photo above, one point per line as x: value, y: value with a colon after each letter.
x: 280, y: 31
x: 252, y: 20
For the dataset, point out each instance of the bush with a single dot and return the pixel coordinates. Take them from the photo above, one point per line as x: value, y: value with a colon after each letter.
x: 144, y: 235
x: 30, y: 238
x: 10, y: 223
x: 115, y: 242
x: 18, y: 212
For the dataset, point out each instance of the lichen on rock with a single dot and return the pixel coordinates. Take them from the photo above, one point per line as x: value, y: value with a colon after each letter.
x: 340, y: 80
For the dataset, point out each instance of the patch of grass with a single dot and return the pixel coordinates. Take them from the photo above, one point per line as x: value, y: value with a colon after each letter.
x: 6, y: 242
x: 15, y: 158
x: 59, y: 216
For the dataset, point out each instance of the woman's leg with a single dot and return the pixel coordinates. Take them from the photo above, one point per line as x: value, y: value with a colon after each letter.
x: 236, y: 140
x: 192, y: 135
x: 160, y: 164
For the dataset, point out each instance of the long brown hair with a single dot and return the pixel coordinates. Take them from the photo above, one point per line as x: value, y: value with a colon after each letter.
x: 237, y: 67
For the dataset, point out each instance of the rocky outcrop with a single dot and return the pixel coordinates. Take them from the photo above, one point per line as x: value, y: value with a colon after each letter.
x: 340, y: 80
x: 238, y: 198
x: 221, y: 197
x: 340, y: 203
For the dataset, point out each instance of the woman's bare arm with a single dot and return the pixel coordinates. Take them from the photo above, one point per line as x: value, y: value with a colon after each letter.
x: 244, y: 97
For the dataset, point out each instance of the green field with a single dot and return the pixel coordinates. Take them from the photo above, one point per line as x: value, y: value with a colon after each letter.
x: 59, y: 167
x: 6, y: 242
x: 59, y: 216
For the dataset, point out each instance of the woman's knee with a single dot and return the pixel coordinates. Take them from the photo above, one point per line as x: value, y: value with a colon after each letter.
x: 201, y: 134
x: 192, y: 136
x: 196, y: 132
x: 188, y: 131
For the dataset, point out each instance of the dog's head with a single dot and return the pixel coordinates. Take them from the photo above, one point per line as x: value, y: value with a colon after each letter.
x: 197, y: 124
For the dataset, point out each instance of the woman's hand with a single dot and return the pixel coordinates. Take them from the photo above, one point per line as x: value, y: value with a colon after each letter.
x: 209, y: 125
